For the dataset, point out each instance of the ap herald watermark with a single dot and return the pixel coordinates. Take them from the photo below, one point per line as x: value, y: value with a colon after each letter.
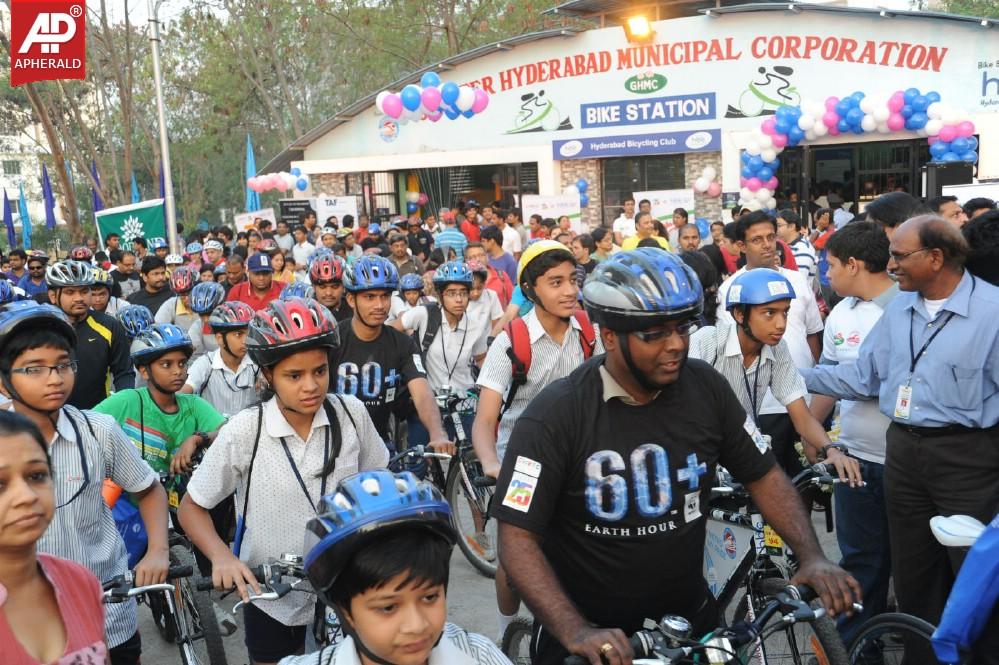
x: 48, y: 40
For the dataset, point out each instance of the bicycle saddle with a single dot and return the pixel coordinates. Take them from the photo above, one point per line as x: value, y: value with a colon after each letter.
x: 956, y: 530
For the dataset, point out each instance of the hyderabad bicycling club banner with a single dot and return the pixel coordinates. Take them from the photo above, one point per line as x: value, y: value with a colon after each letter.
x: 138, y: 220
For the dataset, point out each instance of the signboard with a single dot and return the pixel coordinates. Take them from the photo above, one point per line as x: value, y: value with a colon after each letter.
x: 290, y: 208
x: 964, y: 193
x: 665, y: 201
x: 554, y: 207
x: 657, y: 110
x: 244, y: 220
x: 659, y: 143
x: 335, y: 206
x: 136, y: 220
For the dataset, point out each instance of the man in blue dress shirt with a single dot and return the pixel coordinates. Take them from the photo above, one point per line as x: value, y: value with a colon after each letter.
x: 932, y: 360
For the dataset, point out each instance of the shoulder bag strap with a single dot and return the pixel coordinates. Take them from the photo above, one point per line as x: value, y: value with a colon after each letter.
x: 249, y: 476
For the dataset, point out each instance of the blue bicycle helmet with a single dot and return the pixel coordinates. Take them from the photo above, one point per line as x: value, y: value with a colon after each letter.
x: 298, y: 290
x: 758, y: 287
x: 374, y: 229
x: 157, y: 340
x: 370, y: 273
x: 134, y: 319
x: 318, y: 252
x: 636, y: 289
x: 25, y: 313
x: 452, y: 272
x: 363, y: 508
x: 410, y: 282
x: 157, y: 243
x: 193, y: 248
x: 206, y: 296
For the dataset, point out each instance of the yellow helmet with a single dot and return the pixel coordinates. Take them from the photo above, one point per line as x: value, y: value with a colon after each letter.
x: 536, y: 249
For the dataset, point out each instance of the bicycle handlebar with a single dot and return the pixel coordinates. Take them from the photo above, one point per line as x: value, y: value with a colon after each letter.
x: 415, y: 452
x: 121, y: 587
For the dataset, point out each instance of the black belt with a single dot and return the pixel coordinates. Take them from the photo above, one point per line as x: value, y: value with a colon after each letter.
x: 946, y: 430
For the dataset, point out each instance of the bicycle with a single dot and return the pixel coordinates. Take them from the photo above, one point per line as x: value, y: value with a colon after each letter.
x: 669, y: 641
x: 895, y: 637
x: 198, y: 643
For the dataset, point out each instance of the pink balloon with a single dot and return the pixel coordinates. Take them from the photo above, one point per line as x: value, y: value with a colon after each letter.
x: 772, y: 183
x: 769, y: 126
x: 780, y: 140
x: 434, y: 117
x: 831, y: 103
x: 392, y: 105
x: 830, y: 118
x: 431, y: 98
x: 932, y: 139
x: 896, y: 122
x: 966, y: 129
x: 896, y: 102
x: 481, y: 101
x: 743, y: 182
x: 753, y: 184
x: 423, y: 200
x: 948, y: 133
x: 834, y: 131
x: 714, y: 189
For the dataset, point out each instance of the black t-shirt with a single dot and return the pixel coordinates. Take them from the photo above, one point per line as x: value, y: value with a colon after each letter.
x: 150, y: 300
x: 342, y: 312
x: 420, y: 242
x: 125, y: 285
x: 378, y: 242
x: 376, y: 372
x: 618, y: 492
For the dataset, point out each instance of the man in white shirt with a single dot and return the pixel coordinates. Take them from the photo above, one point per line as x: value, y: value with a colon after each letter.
x: 624, y: 225
x: 790, y: 229
x: 511, y: 238
x: 301, y: 251
x: 483, y: 304
x: 283, y: 237
x: 858, y: 258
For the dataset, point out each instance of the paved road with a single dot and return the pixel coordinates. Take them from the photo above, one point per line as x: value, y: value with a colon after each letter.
x: 470, y: 604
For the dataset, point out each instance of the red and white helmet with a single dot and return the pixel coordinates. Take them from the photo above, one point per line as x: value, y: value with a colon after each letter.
x: 286, y: 327
x: 183, y: 279
x: 81, y: 253
x: 326, y: 268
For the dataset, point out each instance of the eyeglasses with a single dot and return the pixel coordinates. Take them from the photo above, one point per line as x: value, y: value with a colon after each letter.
x: 36, y: 268
x: 898, y: 258
x: 39, y: 371
x: 681, y: 329
x: 457, y: 295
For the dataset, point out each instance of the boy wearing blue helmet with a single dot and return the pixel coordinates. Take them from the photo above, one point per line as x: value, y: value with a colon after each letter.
x: 378, y: 554
x: 753, y: 357
x: 410, y: 295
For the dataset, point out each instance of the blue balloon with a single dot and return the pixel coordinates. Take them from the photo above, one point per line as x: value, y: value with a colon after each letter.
x: 910, y: 94
x: 747, y: 172
x: 582, y: 185
x: 950, y: 157
x: 765, y: 174
x: 468, y: 114
x: 410, y: 97
x: 584, y: 200
x: 796, y: 134
x: 939, y: 148
x: 856, y: 129
x: 918, y: 120
x: 933, y: 96
x: 972, y: 143
x: 774, y: 165
x: 450, y: 92
x: 452, y: 114
x: 856, y: 97
x: 745, y: 157
x: 301, y: 184
x: 295, y: 171
x: 783, y: 112
x: 919, y: 103
x: 411, y: 207
x: 795, y: 113
x: 430, y: 80
x: 854, y: 116
x: 970, y: 156
x: 842, y: 126
x: 843, y: 107
x: 755, y: 162
x: 703, y: 227
x: 960, y: 145
x: 907, y: 111
x: 783, y: 126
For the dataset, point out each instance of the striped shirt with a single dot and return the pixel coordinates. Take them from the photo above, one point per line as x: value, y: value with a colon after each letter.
x: 456, y: 647
x: 773, y: 371
x: 229, y: 392
x: 804, y: 256
x: 451, y: 238
x: 83, y: 529
x: 549, y: 361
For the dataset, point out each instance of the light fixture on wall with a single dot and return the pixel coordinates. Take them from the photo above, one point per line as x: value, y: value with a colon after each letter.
x: 638, y: 29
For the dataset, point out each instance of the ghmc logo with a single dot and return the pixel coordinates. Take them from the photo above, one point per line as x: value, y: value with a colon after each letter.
x: 48, y: 39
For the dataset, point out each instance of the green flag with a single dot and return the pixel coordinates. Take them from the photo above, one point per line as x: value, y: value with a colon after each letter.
x: 138, y: 220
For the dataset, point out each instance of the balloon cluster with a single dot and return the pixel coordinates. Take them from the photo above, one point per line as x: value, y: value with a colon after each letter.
x: 283, y: 181
x: 706, y: 183
x: 414, y: 200
x: 948, y: 128
x: 578, y: 189
x: 432, y: 100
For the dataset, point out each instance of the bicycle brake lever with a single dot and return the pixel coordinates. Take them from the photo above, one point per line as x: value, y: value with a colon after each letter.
x: 270, y: 595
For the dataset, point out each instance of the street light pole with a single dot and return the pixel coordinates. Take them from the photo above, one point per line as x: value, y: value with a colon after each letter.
x: 171, y: 213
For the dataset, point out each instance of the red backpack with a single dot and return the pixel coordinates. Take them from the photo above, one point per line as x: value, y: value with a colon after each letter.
x: 520, y: 350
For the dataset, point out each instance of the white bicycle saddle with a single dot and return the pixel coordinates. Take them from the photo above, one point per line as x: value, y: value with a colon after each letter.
x: 956, y: 530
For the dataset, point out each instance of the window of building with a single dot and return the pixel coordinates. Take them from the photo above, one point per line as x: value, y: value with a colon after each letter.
x: 11, y: 167
x: 384, y: 196
x: 626, y: 175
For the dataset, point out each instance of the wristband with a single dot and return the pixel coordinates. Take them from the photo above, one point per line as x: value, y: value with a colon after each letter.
x: 205, y: 440
x: 834, y: 446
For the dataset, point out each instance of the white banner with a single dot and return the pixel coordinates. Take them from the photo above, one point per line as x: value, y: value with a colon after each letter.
x: 554, y: 207
x: 965, y: 193
x: 665, y: 201
x: 335, y: 206
x: 245, y: 220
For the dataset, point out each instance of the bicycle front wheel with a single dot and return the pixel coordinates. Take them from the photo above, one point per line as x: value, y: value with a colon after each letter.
x: 893, y: 639
x: 516, y: 643
x: 470, y: 507
x: 198, y: 636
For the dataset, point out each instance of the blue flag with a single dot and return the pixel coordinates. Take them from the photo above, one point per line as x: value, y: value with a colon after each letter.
x: 25, y: 220
x: 252, y: 197
x: 135, y: 190
x: 50, y: 218
x: 8, y: 221
x: 98, y: 202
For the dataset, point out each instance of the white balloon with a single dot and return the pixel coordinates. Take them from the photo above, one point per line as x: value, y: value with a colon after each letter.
x: 867, y: 105
x: 883, y: 128
x: 952, y: 116
x: 935, y: 110
x: 772, y: 203
x: 466, y: 97
x: 869, y: 124
x: 806, y: 122
x: 921, y: 132
x: 755, y: 134
x: 289, y: 180
x: 710, y: 173
x: 701, y: 184
x: 768, y: 155
x: 753, y: 148
x: 820, y: 129
x: 570, y: 190
x: 933, y: 126
x: 881, y: 113
x: 763, y: 194
x: 810, y: 135
x: 753, y: 205
x: 765, y: 142
x: 381, y: 98
x: 745, y: 194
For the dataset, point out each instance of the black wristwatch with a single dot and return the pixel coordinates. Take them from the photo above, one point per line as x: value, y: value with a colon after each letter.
x: 836, y: 446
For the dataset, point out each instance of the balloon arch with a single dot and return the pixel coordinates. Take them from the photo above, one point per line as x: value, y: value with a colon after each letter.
x: 948, y: 129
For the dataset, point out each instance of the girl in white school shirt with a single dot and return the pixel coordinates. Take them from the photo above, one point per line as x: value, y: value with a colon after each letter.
x: 280, y: 457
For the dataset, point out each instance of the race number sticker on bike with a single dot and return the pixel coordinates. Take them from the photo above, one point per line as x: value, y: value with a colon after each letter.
x: 761, y: 440
x: 523, y: 484
x: 48, y: 41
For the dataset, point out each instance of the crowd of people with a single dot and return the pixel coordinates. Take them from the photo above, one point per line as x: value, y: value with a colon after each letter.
x: 615, y: 370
